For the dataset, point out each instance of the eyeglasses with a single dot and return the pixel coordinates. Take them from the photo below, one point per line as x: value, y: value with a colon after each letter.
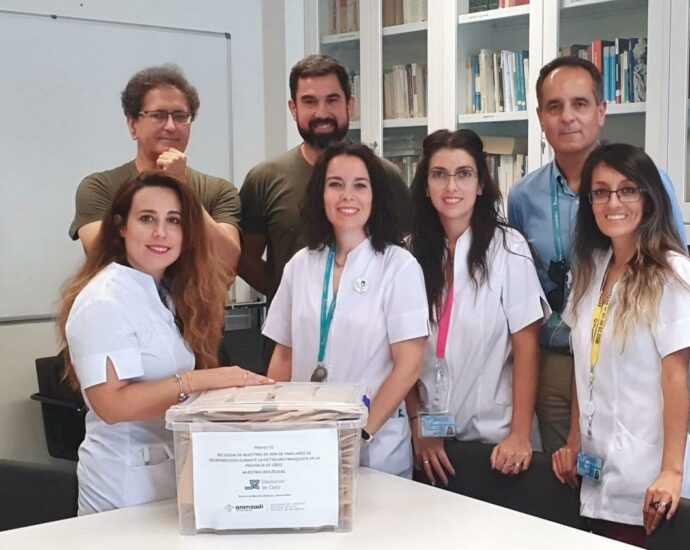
x: 624, y: 194
x: 441, y: 178
x: 557, y: 272
x: 161, y: 117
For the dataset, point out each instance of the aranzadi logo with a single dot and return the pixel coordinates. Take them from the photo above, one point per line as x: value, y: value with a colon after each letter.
x: 244, y: 507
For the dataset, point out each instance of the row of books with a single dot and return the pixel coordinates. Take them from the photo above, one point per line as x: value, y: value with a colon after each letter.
x: 344, y: 16
x: 496, y: 81
x: 404, y: 91
x: 504, y: 169
x: 400, y: 12
x: 484, y: 5
x: 623, y: 66
x: 506, y: 158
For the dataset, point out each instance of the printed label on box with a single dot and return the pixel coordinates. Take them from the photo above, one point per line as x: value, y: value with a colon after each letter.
x: 266, y: 480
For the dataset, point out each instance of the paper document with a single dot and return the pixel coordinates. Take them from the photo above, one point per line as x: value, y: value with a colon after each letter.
x: 266, y: 479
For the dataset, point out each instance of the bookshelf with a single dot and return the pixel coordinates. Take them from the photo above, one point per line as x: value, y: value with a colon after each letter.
x: 385, y: 46
x: 453, y: 32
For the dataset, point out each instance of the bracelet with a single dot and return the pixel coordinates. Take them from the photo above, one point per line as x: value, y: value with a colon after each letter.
x: 188, y: 378
x: 182, y: 396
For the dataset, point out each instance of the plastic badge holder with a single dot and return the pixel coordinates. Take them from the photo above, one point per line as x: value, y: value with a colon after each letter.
x: 256, y: 409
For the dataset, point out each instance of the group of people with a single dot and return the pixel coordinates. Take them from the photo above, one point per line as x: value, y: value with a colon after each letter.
x: 460, y: 323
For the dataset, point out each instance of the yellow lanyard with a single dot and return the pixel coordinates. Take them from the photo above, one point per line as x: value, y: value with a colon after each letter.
x: 588, y: 408
x: 598, y: 322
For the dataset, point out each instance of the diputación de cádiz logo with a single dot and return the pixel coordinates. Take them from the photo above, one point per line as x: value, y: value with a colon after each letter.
x: 253, y: 484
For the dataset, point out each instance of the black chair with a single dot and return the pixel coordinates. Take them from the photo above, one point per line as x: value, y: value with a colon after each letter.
x: 62, y: 407
x: 674, y: 534
x: 536, y: 492
x: 35, y: 493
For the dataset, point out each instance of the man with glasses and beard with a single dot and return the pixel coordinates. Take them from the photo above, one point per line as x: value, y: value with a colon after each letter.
x: 160, y: 105
x: 321, y: 104
x: 543, y: 206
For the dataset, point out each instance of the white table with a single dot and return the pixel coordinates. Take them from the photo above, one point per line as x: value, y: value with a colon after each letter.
x: 391, y: 513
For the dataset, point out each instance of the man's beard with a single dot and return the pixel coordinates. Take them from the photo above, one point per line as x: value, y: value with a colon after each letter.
x: 321, y: 140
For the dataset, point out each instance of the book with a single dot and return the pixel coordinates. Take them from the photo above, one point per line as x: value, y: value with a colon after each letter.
x: 639, y: 73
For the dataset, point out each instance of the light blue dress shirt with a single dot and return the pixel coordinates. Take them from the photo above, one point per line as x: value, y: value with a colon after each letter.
x: 529, y: 210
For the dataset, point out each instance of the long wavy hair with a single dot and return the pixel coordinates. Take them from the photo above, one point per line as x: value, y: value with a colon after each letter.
x: 646, y: 274
x: 198, y: 286
x: 382, y: 228
x: 428, y: 240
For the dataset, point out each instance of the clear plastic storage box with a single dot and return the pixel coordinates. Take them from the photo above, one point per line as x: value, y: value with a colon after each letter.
x: 280, y: 457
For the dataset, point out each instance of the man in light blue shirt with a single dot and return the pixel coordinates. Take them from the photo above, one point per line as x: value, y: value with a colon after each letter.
x: 543, y: 205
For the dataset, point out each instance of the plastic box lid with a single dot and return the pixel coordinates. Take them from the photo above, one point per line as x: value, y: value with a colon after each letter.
x: 311, y: 402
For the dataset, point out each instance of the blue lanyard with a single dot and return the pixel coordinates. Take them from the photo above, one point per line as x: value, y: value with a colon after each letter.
x: 326, y: 311
x: 556, y: 217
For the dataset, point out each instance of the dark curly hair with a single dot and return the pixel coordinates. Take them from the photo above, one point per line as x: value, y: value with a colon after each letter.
x: 161, y: 76
x: 383, y: 226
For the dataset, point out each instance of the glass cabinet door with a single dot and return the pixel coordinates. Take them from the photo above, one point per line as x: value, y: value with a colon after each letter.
x: 339, y: 37
x: 404, y: 82
x: 493, y: 81
x: 612, y: 34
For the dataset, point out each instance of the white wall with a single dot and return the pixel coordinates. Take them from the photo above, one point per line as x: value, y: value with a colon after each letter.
x: 21, y: 435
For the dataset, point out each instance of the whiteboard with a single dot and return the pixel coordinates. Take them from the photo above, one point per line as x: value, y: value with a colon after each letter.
x: 60, y: 84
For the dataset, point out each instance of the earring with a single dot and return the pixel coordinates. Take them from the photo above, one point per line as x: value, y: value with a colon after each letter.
x: 427, y: 193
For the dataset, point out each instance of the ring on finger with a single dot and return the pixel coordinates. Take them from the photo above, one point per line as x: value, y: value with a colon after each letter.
x: 246, y: 375
x: 426, y: 461
x: 662, y: 504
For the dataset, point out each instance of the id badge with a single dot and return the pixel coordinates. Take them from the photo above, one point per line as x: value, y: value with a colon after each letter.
x: 436, y: 424
x: 589, y: 466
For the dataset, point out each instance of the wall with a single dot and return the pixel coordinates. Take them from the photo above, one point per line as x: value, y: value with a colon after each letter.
x: 253, y: 99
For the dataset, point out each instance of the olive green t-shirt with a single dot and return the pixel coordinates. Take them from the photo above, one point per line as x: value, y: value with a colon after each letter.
x: 218, y: 196
x: 272, y: 195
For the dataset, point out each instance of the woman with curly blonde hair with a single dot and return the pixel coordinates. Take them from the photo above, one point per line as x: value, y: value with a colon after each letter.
x: 142, y: 320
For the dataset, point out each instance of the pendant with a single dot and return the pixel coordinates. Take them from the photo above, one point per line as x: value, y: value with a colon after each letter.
x: 361, y: 285
x: 588, y: 409
x: 320, y: 373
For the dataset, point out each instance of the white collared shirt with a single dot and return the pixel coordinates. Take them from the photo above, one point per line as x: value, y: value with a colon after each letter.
x: 119, y: 315
x: 627, y: 428
x: 365, y: 324
x: 479, y: 349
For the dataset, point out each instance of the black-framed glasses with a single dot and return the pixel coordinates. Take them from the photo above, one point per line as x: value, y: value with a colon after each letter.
x: 624, y: 194
x: 558, y: 273
x: 161, y: 117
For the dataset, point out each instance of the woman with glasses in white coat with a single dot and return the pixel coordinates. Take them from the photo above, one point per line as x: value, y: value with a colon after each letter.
x: 351, y: 305
x: 629, y: 311
x: 481, y: 365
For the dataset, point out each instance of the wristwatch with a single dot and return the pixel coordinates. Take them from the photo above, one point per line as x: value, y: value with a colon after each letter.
x: 366, y: 436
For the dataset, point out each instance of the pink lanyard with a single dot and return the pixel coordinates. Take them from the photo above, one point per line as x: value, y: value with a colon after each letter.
x: 444, y: 325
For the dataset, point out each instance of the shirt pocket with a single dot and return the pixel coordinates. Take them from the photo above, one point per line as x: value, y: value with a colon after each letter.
x: 630, y: 468
x: 150, y: 476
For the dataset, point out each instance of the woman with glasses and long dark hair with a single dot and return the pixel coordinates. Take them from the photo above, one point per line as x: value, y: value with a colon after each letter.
x: 629, y: 312
x: 351, y: 306
x: 142, y: 320
x: 486, y: 304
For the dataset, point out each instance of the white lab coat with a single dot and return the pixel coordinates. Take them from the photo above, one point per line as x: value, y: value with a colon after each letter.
x: 627, y: 430
x: 120, y: 316
x: 365, y: 324
x: 479, y: 350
